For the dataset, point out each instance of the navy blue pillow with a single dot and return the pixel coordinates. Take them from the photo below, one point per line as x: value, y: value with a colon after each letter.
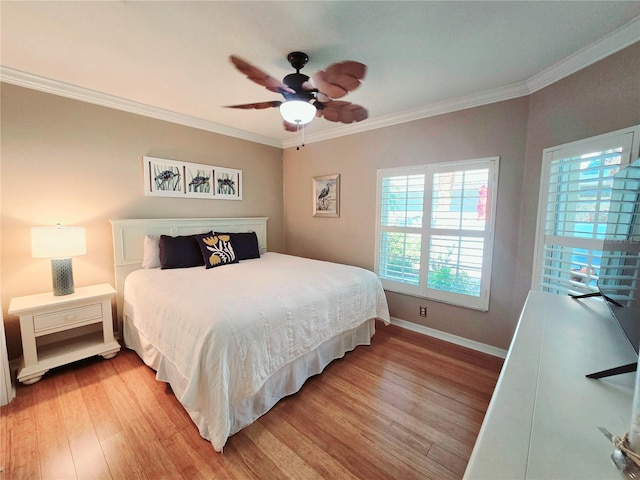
x: 245, y: 244
x: 180, y: 252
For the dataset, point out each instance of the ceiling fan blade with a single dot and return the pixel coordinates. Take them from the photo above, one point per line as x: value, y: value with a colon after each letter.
x: 257, y: 105
x: 344, y: 112
x: 309, y: 87
x: 340, y: 78
x: 260, y: 77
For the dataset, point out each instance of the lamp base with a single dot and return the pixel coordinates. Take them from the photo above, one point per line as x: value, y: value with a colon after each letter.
x: 62, y: 276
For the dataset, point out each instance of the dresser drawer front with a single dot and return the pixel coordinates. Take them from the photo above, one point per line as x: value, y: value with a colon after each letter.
x: 51, y: 322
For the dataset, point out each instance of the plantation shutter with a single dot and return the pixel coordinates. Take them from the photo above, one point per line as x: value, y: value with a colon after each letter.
x: 401, y: 201
x: 573, y: 214
x: 459, y: 232
x: 620, y: 273
x: 447, y: 255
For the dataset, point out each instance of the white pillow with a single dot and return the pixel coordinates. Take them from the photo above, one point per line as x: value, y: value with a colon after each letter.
x: 151, y: 252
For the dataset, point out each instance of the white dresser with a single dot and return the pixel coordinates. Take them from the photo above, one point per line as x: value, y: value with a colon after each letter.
x: 543, y: 419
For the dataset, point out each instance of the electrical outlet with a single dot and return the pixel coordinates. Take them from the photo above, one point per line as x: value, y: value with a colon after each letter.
x: 423, y: 311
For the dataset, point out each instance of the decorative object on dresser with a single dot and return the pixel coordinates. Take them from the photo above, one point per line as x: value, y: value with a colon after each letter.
x: 326, y: 196
x: 59, y: 244
x: 48, y: 324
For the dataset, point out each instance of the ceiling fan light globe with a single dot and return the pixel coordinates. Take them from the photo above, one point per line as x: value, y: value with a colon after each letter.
x: 297, y: 112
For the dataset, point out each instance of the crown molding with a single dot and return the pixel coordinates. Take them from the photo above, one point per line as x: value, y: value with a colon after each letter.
x: 439, y: 108
x: 617, y: 40
x: 35, y: 82
x: 621, y: 38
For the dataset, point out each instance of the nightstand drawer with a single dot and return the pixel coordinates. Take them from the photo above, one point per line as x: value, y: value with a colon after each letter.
x: 64, y: 319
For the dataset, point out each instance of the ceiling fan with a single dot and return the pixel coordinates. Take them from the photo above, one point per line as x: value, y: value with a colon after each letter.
x: 306, y: 98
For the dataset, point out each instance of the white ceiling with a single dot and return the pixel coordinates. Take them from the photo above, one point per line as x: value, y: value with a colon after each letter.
x: 170, y: 59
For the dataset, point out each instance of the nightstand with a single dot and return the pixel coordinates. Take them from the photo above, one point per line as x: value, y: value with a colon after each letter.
x: 47, y: 323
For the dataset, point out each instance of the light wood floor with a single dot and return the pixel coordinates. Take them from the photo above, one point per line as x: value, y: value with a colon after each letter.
x: 407, y: 407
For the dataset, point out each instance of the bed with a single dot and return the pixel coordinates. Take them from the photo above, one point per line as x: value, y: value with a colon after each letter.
x: 234, y: 338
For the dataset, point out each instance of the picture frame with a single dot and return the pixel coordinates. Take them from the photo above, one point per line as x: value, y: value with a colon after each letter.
x: 163, y: 178
x: 198, y: 180
x: 227, y: 183
x: 172, y: 178
x: 326, y: 196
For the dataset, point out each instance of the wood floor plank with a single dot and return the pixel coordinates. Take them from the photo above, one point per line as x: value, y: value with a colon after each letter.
x: 418, y: 421
x: 156, y: 398
x: 123, y: 461
x: 21, y: 459
x: 94, y: 377
x: 86, y: 451
x: 343, y: 451
x: 304, y: 445
x: 353, y: 417
x: 407, y: 406
x: 288, y: 459
x: 139, y: 431
x: 54, y: 451
x: 251, y: 459
x: 424, y: 405
x: 187, y: 461
x: 450, y: 460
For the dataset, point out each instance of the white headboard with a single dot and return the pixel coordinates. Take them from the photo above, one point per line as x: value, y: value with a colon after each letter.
x: 128, y: 239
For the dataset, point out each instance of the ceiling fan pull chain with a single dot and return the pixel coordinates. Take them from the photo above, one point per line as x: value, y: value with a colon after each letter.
x: 299, y: 128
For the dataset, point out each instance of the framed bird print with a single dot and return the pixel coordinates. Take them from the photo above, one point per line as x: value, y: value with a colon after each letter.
x: 326, y: 196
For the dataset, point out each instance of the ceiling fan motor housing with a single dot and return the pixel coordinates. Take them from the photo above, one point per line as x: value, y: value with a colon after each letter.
x: 295, y: 82
x: 298, y: 60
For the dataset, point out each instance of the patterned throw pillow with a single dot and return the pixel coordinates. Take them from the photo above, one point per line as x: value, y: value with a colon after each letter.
x: 216, y: 250
x: 245, y: 244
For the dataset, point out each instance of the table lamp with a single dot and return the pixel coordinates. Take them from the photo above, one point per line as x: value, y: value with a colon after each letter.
x: 59, y: 244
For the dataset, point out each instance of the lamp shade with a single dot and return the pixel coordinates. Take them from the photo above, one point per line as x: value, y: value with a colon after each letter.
x: 58, y: 242
x: 297, y: 112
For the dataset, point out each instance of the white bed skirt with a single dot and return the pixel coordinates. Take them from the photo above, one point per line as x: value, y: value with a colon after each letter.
x: 286, y: 381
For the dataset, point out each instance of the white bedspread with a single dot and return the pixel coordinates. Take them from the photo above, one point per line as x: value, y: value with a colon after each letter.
x: 227, y: 329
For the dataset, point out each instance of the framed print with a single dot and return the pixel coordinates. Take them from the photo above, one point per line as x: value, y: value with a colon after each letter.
x: 163, y: 178
x: 198, y: 179
x: 326, y: 196
x: 171, y: 178
x: 227, y: 183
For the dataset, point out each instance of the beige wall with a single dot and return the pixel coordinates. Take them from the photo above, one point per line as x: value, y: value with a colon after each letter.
x: 492, y: 130
x: 601, y: 98
x: 79, y: 164
x: 598, y: 99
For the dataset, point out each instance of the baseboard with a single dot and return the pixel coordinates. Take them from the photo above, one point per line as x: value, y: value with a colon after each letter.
x: 448, y: 337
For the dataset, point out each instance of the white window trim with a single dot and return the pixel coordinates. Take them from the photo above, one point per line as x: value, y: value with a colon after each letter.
x: 421, y: 290
x: 630, y: 141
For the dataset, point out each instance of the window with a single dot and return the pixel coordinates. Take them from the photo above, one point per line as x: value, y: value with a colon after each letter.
x: 573, y: 210
x: 434, y: 230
